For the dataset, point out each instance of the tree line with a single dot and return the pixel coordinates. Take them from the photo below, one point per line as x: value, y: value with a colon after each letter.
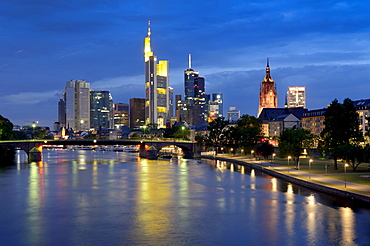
x: 341, y: 138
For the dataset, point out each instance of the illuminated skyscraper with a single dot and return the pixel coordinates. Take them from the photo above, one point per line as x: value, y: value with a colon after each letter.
x: 101, y: 110
x: 77, y: 103
x: 156, y: 86
x: 195, y: 97
x: 296, y: 97
x: 268, y: 93
x: 218, y: 98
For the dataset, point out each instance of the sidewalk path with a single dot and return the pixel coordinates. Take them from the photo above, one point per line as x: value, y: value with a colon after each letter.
x: 309, y: 177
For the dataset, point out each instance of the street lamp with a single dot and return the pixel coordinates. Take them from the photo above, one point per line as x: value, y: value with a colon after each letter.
x: 252, y: 153
x: 309, y: 168
x: 288, y: 162
x: 144, y: 127
x: 183, y: 131
x: 273, y: 157
x: 345, y: 172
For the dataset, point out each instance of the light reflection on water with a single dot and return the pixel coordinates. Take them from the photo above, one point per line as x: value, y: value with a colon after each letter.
x: 91, y: 198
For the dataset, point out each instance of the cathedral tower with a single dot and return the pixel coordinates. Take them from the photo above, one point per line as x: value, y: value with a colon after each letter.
x: 268, y: 93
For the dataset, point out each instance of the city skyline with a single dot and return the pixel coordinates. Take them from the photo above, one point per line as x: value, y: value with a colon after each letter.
x: 319, y: 45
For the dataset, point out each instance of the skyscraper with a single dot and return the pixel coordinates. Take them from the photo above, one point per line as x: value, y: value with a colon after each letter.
x: 156, y: 86
x: 101, y: 110
x: 137, y: 112
x: 121, y: 115
x: 77, y: 102
x: 296, y: 97
x: 268, y: 93
x: 195, y: 97
x: 218, y: 98
x: 233, y: 115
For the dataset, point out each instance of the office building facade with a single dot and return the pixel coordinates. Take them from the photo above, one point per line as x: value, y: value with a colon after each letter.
x: 137, y: 112
x: 156, y: 86
x: 77, y: 105
x: 296, y: 97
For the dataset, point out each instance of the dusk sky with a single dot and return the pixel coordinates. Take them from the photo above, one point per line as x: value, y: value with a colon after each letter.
x: 323, y: 45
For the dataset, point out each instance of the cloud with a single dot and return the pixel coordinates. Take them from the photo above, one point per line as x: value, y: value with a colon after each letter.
x: 28, y: 98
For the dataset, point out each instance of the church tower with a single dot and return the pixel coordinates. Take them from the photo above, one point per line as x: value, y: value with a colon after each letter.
x: 268, y: 93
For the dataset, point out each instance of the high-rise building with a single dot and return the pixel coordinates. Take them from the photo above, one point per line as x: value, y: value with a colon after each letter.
x: 77, y: 104
x: 233, y: 115
x: 171, y: 103
x: 189, y: 83
x: 296, y: 97
x: 218, y: 98
x: 137, y: 112
x: 121, y: 115
x: 195, y: 97
x: 268, y: 92
x: 62, y: 112
x: 156, y: 86
x: 101, y: 110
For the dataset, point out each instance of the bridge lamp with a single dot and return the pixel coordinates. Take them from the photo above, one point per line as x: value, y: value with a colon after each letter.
x: 94, y: 140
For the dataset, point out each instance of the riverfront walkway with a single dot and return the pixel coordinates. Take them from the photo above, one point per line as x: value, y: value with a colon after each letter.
x: 306, y: 176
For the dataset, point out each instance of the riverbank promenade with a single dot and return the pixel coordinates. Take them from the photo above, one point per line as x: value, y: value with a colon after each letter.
x: 324, y: 180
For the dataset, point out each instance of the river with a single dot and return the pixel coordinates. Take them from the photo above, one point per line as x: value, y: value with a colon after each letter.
x: 116, y: 198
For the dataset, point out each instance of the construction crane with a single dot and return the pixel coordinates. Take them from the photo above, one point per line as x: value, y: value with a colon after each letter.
x: 33, y: 122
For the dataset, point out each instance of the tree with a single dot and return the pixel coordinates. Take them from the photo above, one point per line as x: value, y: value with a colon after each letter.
x: 265, y: 149
x: 352, y: 154
x: 216, y: 132
x: 7, y: 153
x: 230, y: 140
x: 249, y: 131
x: 293, y: 141
x: 341, y: 126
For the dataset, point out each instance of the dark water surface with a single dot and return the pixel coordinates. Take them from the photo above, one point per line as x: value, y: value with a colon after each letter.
x: 107, y: 198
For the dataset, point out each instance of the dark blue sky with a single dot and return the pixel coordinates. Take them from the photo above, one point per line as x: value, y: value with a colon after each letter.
x: 323, y: 45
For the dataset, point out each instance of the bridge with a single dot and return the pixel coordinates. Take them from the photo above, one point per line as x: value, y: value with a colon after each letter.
x: 148, y: 148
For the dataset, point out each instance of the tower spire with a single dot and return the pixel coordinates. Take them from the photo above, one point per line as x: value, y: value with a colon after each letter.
x: 149, y: 29
x: 268, y: 76
x: 189, y: 60
x: 147, y: 49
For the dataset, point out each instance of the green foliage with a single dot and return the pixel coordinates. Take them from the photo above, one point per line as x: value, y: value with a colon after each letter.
x: 176, y: 132
x: 341, y: 128
x: 91, y: 136
x: 293, y: 141
x: 249, y: 132
x: 6, y: 129
x: 7, y: 153
x: 246, y: 134
x: 352, y: 154
x: 265, y: 149
x: 216, y: 129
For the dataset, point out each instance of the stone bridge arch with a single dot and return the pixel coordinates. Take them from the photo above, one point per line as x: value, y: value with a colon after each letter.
x: 147, y: 150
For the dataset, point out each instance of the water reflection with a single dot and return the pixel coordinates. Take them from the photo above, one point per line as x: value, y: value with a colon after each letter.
x: 94, y: 198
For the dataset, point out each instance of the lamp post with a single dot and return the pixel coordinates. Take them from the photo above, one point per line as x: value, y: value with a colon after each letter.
x: 309, y: 168
x: 288, y: 162
x: 273, y: 157
x: 252, y: 153
x: 345, y: 172
x: 144, y: 127
x: 183, y: 131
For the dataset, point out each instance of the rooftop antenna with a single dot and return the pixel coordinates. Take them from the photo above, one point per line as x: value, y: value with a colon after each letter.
x: 189, y: 60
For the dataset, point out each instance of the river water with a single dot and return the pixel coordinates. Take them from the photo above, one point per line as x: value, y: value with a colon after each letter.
x: 116, y: 198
